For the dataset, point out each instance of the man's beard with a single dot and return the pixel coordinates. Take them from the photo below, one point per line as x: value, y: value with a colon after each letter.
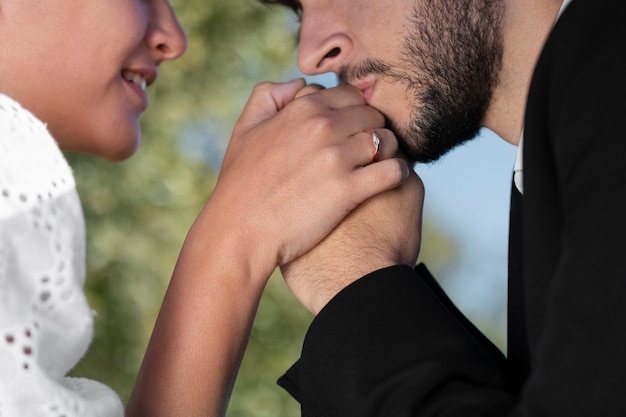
x: 450, y: 61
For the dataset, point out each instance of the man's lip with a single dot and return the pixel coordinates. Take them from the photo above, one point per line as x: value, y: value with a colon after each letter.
x: 366, y: 85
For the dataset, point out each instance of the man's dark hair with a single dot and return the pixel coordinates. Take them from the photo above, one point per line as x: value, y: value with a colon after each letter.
x: 292, y: 4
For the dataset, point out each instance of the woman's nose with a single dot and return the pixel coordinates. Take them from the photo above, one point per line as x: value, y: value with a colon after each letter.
x: 165, y: 35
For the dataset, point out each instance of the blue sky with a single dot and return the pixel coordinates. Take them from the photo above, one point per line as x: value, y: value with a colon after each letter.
x: 467, y: 196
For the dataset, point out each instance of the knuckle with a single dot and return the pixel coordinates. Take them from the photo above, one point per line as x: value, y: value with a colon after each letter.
x: 305, y: 103
x: 321, y: 123
x: 309, y: 89
x: 263, y: 87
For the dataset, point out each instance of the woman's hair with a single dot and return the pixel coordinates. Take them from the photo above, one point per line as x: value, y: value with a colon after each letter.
x: 292, y: 4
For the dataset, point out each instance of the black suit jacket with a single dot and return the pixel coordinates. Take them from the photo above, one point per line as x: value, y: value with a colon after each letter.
x: 392, y: 344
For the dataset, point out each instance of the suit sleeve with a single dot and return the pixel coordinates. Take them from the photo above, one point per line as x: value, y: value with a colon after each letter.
x: 392, y: 344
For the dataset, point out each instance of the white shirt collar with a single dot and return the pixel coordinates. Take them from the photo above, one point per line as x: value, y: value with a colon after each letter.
x: 565, y: 3
x: 518, y: 168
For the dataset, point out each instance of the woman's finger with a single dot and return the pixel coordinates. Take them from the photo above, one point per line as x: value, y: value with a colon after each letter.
x: 372, y: 145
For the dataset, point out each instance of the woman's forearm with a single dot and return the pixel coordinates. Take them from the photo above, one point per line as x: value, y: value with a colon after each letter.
x: 202, y: 330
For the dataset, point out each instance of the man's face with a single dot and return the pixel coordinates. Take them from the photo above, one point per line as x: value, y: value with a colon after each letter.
x: 430, y: 66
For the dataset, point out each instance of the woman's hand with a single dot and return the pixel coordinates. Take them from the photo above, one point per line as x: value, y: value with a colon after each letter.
x: 296, y: 165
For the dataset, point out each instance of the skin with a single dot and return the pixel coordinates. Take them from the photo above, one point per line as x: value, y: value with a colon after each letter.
x: 371, y: 237
x: 293, y: 170
x: 295, y: 167
x: 448, y: 91
x: 297, y: 164
x: 76, y: 52
x: 332, y: 40
x: 251, y: 225
x: 351, y: 260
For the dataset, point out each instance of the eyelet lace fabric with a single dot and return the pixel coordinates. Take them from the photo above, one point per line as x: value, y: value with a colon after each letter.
x: 45, y: 323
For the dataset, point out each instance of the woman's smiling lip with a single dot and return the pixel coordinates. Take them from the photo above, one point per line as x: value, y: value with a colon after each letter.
x: 139, y: 92
x: 138, y: 80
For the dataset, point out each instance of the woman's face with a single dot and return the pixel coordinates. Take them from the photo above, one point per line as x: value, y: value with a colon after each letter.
x: 82, y: 66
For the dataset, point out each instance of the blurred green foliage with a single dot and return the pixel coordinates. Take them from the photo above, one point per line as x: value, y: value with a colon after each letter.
x: 139, y: 211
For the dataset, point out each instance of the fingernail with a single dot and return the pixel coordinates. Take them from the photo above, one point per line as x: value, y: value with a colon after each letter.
x: 405, y: 170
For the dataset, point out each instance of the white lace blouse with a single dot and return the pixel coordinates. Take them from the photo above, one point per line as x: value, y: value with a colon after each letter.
x: 45, y: 323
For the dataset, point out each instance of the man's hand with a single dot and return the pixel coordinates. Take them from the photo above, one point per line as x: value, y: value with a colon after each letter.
x: 383, y: 231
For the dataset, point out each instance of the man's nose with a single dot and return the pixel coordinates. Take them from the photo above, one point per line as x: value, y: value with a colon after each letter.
x: 323, y: 46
